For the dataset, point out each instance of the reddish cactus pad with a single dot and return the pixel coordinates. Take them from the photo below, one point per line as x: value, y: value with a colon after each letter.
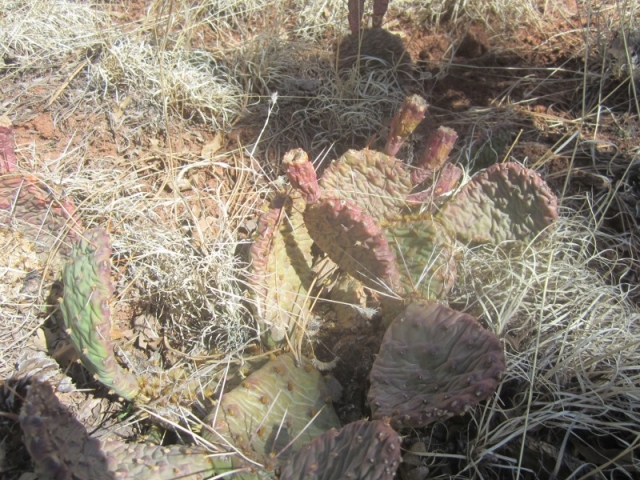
x: 351, y: 238
x: 434, y: 363
x: 362, y: 450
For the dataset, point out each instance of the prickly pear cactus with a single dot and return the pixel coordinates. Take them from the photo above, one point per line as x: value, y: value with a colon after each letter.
x: 275, y: 411
x: 281, y: 267
x: 376, y: 182
x: 85, y: 308
x: 504, y: 202
x: 425, y: 256
x: 362, y: 450
x: 28, y: 206
x: 434, y: 363
x: 61, y: 449
x: 353, y: 240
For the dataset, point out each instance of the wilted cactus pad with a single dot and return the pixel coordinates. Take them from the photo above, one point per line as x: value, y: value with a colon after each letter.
x: 281, y: 263
x: 504, y: 202
x: 271, y: 407
x: 376, y: 182
x: 361, y: 450
x: 351, y: 238
x: 62, y: 449
x: 434, y: 363
x: 86, y: 312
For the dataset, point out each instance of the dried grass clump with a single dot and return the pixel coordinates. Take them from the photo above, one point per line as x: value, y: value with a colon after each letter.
x: 39, y: 35
x: 314, y: 18
x: 189, y: 284
x: 325, y: 112
x: 572, y: 343
x: 190, y: 84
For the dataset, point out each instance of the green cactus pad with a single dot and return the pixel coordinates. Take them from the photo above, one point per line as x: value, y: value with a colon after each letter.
x: 351, y: 238
x: 374, y: 181
x: 504, y: 202
x: 360, y: 450
x: 85, y: 308
x: 424, y: 253
x: 61, y: 449
x: 270, y: 408
x: 281, y: 267
x: 434, y: 363
x: 31, y: 208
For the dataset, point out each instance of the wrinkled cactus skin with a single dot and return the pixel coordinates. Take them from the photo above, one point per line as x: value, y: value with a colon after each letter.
x: 270, y: 408
x: 362, y: 450
x: 434, y: 363
x: 504, y: 202
x: 61, y: 449
x: 376, y: 182
x: 352, y: 239
x: 281, y: 267
x: 85, y: 308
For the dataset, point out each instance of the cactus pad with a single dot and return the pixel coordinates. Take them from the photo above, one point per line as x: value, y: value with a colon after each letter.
x: 62, y: 449
x: 362, y: 450
x: 425, y: 256
x: 271, y: 407
x: 85, y: 308
x: 504, y: 202
x: 352, y: 239
x: 281, y: 267
x: 376, y: 182
x: 434, y: 363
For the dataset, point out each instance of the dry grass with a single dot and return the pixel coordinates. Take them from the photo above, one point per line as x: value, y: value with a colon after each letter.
x: 177, y: 213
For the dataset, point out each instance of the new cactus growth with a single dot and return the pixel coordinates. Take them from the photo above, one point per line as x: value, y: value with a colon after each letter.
x: 362, y: 450
x: 8, y: 160
x: 85, y: 308
x: 434, y: 363
x: 405, y: 122
x: 275, y: 410
x: 62, y: 449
